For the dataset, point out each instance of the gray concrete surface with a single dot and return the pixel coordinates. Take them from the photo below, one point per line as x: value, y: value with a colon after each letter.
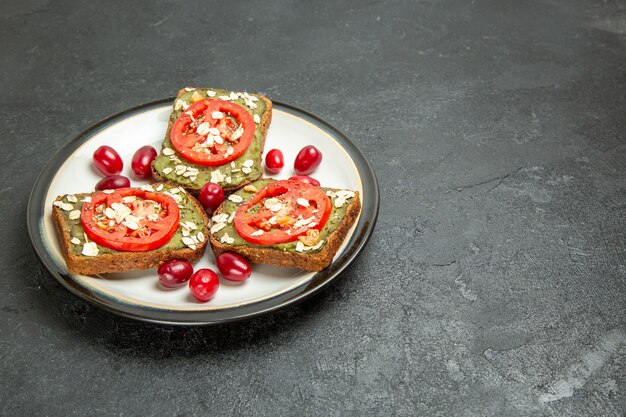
x: 495, y: 282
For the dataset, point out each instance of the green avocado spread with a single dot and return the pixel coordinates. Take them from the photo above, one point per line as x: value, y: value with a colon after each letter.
x: 225, y: 231
x: 173, y: 167
x: 189, y: 213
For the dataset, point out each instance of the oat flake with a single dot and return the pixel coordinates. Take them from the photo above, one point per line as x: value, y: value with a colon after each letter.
x: 90, y: 249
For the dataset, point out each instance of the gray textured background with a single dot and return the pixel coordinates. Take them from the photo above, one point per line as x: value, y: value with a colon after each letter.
x: 495, y: 282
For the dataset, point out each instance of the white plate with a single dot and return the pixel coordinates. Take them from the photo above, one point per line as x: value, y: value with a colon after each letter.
x: 137, y: 294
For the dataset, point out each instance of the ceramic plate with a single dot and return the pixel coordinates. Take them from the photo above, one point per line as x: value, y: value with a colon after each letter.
x: 138, y: 294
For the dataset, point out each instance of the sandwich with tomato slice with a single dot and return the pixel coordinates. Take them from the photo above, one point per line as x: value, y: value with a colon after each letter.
x: 285, y: 223
x: 129, y: 228
x: 214, y: 136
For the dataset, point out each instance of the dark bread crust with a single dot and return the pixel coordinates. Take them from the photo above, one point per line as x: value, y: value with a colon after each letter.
x: 265, y: 124
x: 122, y: 261
x: 308, y: 261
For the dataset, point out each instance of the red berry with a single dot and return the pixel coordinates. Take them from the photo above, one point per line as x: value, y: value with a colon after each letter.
x: 113, y: 181
x: 107, y: 160
x: 142, y: 161
x: 204, y: 284
x: 233, y: 267
x: 307, y: 160
x: 274, y: 161
x: 305, y: 178
x: 211, y: 196
x: 175, y: 273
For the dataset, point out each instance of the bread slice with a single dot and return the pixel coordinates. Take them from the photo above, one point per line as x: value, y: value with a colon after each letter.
x: 73, y: 239
x: 171, y: 166
x: 224, y: 237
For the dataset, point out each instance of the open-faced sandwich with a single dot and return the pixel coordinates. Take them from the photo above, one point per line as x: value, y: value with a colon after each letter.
x: 285, y: 223
x: 129, y: 228
x: 214, y: 136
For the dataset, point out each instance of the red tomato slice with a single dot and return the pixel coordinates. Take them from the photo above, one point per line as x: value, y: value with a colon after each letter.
x: 213, y: 132
x: 148, y: 222
x: 282, y: 210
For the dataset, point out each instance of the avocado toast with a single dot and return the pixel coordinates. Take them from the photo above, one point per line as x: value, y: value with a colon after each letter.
x: 312, y: 251
x: 191, y: 167
x: 186, y: 238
